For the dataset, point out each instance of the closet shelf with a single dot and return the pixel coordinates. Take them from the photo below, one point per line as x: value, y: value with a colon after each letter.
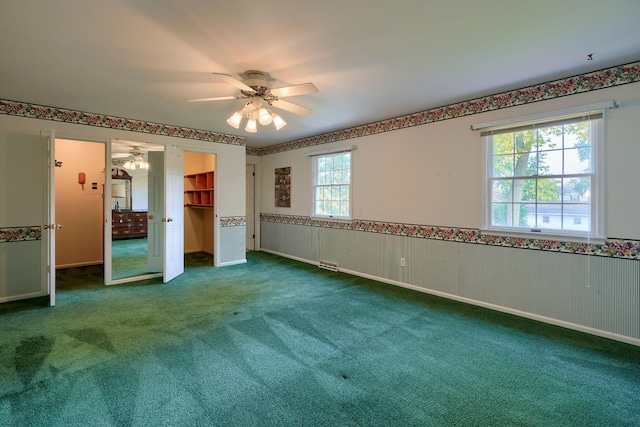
x: 199, y: 189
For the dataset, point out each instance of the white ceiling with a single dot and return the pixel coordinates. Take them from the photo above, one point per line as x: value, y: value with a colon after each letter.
x: 371, y: 61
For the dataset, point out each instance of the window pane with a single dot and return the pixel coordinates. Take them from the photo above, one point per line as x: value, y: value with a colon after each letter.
x: 501, y: 214
x: 524, y: 214
x: 550, y: 162
x: 503, y: 165
x: 577, y: 160
x: 550, y: 216
x: 525, y: 141
x: 322, y: 180
x: 550, y: 138
x: 322, y: 164
x: 577, y: 135
x: 577, y: 189
x: 524, y: 190
x: 501, y: 190
x: 577, y: 217
x: 549, y: 190
x: 502, y: 144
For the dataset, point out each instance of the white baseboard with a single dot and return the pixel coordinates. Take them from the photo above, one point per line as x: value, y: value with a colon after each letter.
x: 79, y: 264
x: 228, y: 263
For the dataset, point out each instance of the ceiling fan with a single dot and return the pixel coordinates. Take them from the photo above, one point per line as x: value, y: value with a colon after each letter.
x: 134, y: 159
x: 257, y: 88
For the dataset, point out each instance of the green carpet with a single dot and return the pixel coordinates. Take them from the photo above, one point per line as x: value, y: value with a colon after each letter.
x: 276, y: 342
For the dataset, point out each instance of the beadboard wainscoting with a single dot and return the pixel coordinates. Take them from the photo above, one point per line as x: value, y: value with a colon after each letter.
x: 232, y: 233
x: 589, y: 293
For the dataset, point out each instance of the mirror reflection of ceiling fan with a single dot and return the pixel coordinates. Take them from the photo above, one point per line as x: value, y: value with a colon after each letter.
x: 134, y: 159
x: 257, y: 88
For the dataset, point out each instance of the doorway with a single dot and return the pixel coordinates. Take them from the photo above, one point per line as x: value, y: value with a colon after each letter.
x: 199, y: 204
x: 79, y: 184
x: 135, y: 206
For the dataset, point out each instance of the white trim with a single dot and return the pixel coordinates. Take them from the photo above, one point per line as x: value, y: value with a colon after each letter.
x: 295, y: 258
x: 225, y: 264
x: 331, y: 151
x: 79, y: 264
x: 526, y: 233
x: 134, y: 279
x: 546, y: 115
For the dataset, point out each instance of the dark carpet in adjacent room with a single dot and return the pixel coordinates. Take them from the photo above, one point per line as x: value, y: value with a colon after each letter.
x: 275, y: 342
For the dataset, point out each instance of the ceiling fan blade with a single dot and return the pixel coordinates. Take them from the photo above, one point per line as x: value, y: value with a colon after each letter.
x: 233, y: 81
x: 294, y: 90
x: 215, y: 98
x: 291, y: 107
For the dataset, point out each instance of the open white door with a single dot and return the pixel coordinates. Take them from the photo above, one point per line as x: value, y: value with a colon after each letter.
x: 24, y: 227
x: 108, y: 216
x: 251, y: 186
x: 174, y: 213
x: 155, y: 225
x: 51, y: 227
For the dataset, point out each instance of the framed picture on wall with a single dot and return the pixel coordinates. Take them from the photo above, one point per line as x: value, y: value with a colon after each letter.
x: 283, y: 187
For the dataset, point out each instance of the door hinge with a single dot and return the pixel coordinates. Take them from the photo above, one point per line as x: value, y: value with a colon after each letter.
x: 253, y: 173
x: 253, y: 237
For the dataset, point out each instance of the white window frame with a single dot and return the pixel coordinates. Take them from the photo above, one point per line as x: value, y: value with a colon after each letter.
x: 316, y: 156
x: 597, y: 231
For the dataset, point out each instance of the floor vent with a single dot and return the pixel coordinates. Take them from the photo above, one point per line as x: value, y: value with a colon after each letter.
x: 332, y: 266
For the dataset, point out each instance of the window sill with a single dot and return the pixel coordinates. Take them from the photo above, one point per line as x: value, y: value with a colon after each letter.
x: 544, y: 236
x: 332, y: 219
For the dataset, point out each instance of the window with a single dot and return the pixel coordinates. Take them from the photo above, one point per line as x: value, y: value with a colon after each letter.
x: 332, y: 185
x: 542, y: 176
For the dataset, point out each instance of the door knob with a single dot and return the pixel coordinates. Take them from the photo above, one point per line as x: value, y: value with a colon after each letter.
x: 169, y: 219
x: 150, y: 216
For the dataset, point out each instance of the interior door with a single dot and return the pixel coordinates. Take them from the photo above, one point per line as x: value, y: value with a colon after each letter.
x: 25, y: 236
x: 251, y: 186
x: 155, y: 209
x: 174, y: 213
x: 50, y: 229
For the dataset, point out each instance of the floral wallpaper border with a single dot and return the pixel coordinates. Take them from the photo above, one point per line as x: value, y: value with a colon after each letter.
x: 627, y: 249
x: 233, y: 221
x: 602, y: 79
x: 20, y: 234
x: 34, y: 111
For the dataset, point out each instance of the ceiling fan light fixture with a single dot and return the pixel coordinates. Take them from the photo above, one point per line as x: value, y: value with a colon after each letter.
x: 265, y: 117
x: 251, y: 126
x: 235, y: 119
x: 278, y: 122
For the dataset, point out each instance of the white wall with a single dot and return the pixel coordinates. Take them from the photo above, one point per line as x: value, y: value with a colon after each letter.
x: 432, y: 174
